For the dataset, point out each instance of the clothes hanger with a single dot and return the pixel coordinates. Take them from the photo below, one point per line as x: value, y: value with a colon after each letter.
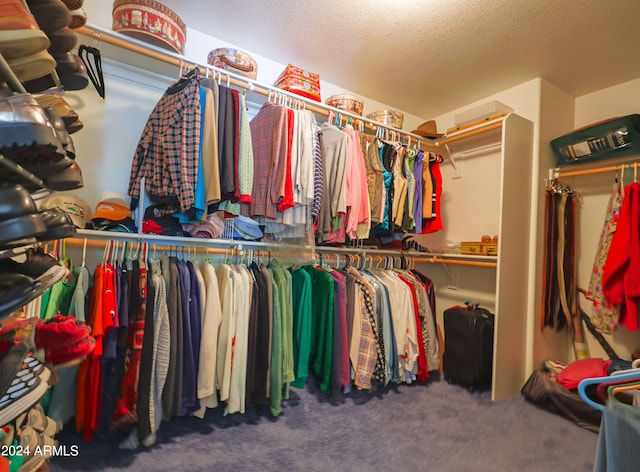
x: 602, y: 388
x: 584, y: 383
x: 613, y: 389
x: 92, y: 60
x: 107, y: 247
x: 615, y: 373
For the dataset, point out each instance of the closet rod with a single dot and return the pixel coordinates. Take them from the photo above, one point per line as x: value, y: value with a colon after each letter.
x: 598, y: 170
x: 440, y: 260
x: 483, y: 128
x: 185, y: 248
x: 414, y: 259
x: 416, y: 255
x: 99, y: 34
x: 283, y: 252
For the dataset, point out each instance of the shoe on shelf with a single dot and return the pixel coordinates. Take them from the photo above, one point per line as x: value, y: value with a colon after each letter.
x: 20, y: 34
x: 36, y: 419
x: 39, y: 445
x: 59, y: 225
x: 65, y: 64
x: 45, y: 171
x: 33, y: 66
x: 78, y: 18
x: 75, y: 126
x: 61, y: 132
x: 19, y: 217
x: 62, y: 41
x: 77, y: 211
x: 26, y: 134
x: 51, y: 15
x: 13, y: 173
x: 57, y: 101
x: 67, y: 179
x: 76, y: 79
x: 23, y: 382
x: 16, y: 290
x: 73, y: 4
x: 38, y: 266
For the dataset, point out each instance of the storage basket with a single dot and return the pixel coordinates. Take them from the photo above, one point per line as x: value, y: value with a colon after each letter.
x: 346, y: 102
x: 392, y: 118
x: 150, y: 21
x: 234, y: 60
x: 616, y: 137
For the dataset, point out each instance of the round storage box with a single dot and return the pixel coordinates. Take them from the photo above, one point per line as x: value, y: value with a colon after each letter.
x: 234, y: 60
x: 388, y: 117
x: 346, y: 102
x: 150, y: 21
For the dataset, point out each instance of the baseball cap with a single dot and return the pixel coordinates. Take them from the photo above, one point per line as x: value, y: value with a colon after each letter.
x: 247, y: 228
x: 77, y: 209
x: 113, y: 206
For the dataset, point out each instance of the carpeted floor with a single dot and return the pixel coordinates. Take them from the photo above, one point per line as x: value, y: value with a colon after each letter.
x: 430, y: 427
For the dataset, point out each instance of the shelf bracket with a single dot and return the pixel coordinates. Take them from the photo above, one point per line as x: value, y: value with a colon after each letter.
x: 450, y: 156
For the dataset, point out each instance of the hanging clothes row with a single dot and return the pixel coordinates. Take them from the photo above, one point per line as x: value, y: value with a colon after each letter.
x: 175, y: 337
x: 200, y: 153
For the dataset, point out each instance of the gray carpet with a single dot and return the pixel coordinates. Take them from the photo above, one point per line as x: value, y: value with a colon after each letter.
x: 430, y: 427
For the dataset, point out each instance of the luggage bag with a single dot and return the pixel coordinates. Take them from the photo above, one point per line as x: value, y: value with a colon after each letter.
x: 468, y: 346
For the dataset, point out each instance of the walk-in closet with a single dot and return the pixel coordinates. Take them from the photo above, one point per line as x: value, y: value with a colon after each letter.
x: 230, y: 251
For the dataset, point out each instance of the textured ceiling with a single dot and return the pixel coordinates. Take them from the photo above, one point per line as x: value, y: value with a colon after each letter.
x: 427, y: 57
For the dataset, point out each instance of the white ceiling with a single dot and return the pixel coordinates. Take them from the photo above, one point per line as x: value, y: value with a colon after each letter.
x: 427, y: 57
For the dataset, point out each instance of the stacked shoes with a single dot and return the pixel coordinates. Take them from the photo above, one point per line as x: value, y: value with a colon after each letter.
x: 57, y: 18
x: 23, y: 382
x: 35, y: 144
x: 22, y: 282
x: 22, y: 43
x: 36, y: 436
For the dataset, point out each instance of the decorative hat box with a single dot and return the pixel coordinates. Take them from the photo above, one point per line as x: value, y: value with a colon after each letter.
x: 299, y: 81
x: 392, y: 118
x: 234, y: 60
x: 150, y: 21
x: 346, y: 102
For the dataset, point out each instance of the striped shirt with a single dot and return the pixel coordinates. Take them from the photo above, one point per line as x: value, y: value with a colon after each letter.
x: 318, y: 178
